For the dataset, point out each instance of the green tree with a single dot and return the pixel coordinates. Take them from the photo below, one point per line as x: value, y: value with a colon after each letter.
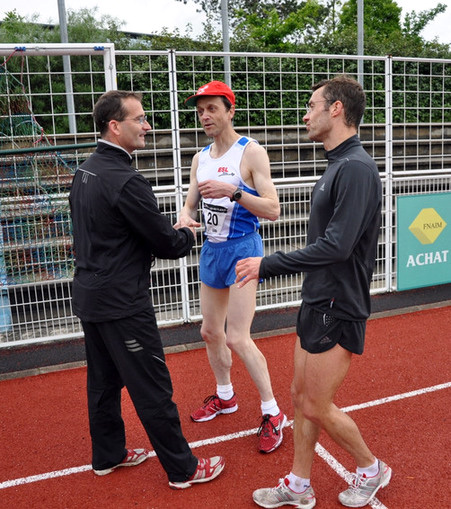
x: 416, y: 22
x: 239, y: 8
x: 330, y: 27
x: 249, y: 6
x: 384, y: 33
x: 277, y: 31
x: 16, y: 28
x: 381, y: 17
x: 86, y: 25
x: 83, y: 25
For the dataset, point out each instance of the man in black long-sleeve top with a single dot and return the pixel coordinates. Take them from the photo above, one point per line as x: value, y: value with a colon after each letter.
x: 338, y: 259
x: 117, y: 230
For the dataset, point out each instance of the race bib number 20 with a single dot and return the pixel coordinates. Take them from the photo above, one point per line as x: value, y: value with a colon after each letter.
x: 214, y: 217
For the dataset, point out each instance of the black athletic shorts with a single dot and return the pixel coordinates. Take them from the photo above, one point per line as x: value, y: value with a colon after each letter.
x: 320, y: 332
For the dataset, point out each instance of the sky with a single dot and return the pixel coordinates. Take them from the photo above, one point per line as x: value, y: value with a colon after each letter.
x: 151, y: 16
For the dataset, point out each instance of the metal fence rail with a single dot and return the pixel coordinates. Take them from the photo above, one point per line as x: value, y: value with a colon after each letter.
x: 406, y: 128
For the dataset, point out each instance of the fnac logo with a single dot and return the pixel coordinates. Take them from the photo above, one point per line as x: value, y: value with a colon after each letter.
x: 427, y: 226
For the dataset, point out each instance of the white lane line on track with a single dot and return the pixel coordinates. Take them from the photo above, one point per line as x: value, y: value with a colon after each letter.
x: 397, y: 397
x: 233, y: 436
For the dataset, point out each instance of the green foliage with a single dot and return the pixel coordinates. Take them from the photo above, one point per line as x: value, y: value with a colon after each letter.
x: 384, y: 34
x: 17, y: 29
x: 276, y: 88
x: 381, y: 17
x: 248, y: 7
x: 85, y: 25
x: 418, y: 95
x: 415, y: 22
x: 277, y: 33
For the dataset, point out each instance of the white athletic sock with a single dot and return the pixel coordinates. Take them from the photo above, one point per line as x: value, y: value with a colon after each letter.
x: 270, y: 407
x: 297, y: 484
x: 225, y: 391
x: 370, y: 471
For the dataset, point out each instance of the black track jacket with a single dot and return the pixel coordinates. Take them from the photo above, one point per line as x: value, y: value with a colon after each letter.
x: 342, y: 236
x: 117, y: 228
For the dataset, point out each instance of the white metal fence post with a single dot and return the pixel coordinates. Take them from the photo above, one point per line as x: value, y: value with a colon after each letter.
x: 176, y: 154
x: 109, y: 62
x: 389, y: 256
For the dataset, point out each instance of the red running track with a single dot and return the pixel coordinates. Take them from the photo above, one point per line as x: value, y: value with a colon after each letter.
x: 44, y: 429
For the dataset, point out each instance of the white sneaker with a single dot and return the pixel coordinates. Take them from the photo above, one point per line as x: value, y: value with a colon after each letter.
x: 283, y: 495
x: 134, y: 457
x: 207, y: 469
x: 364, y: 488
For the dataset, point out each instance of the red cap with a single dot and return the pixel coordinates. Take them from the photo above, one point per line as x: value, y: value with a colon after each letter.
x: 212, y: 88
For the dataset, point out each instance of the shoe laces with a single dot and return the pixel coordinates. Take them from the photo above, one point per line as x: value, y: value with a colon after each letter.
x: 280, y: 486
x: 284, y: 487
x: 359, y: 481
x: 210, y: 398
x: 266, y: 425
x: 200, y: 470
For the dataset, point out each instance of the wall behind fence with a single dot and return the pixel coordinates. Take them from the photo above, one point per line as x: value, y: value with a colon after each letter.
x: 406, y: 128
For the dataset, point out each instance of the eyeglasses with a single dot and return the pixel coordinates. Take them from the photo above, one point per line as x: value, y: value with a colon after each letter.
x: 142, y: 119
x: 310, y: 106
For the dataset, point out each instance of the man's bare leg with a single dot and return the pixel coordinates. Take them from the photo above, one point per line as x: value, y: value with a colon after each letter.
x: 214, y: 309
x: 318, y: 377
x: 240, y: 313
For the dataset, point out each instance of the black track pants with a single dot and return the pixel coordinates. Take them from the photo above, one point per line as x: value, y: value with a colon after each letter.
x: 129, y: 352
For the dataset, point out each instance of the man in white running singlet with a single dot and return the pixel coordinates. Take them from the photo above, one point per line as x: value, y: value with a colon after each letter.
x: 232, y: 178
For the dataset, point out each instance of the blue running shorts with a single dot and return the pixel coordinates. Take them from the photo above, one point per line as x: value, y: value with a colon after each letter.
x: 218, y: 259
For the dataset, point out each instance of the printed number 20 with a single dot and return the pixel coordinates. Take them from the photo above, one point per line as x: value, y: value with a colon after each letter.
x: 212, y: 219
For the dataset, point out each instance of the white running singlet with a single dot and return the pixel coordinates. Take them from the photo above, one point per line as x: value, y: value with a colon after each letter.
x: 223, y: 218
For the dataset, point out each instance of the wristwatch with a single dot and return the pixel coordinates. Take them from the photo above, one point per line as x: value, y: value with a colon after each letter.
x: 237, y: 194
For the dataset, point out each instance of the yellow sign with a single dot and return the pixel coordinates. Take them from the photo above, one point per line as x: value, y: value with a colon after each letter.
x: 427, y: 226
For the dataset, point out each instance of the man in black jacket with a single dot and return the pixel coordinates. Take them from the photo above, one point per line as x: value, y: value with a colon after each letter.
x: 117, y: 230
x: 338, y: 259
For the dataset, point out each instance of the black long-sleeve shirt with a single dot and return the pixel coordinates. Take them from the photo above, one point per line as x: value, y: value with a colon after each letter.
x: 342, y: 236
x: 117, y: 228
